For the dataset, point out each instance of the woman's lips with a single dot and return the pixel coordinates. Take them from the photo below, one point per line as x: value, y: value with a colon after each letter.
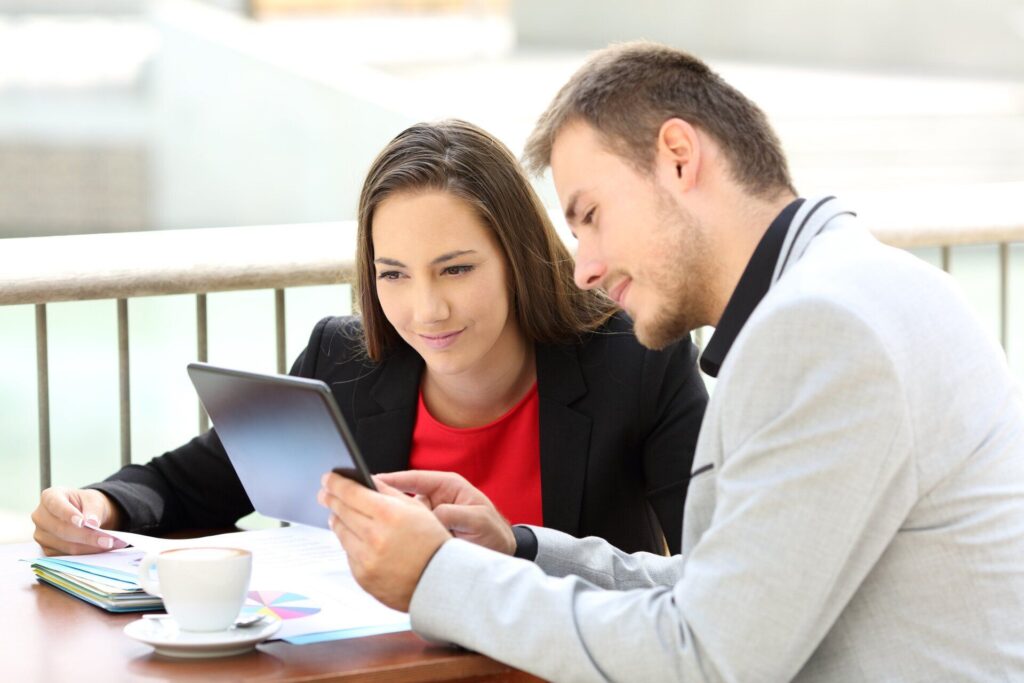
x: 440, y: 341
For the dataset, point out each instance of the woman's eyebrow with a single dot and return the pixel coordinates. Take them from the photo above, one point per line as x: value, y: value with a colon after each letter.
x: 440, y: 259
x: 451, y: 255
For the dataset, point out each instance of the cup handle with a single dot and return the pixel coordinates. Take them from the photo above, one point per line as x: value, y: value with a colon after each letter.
x: 145, y: 567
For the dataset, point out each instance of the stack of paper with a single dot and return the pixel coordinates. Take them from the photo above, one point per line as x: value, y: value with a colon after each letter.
x: 300, y: 575
x: 99, y: 581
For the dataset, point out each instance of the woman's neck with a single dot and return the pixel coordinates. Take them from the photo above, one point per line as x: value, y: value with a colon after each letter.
x: 482, y: 394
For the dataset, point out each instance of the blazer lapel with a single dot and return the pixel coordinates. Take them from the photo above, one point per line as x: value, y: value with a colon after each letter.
x: 564, y: 436
x: 387, y: 412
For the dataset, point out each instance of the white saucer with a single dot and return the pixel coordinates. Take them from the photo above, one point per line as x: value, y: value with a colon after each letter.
x: 169, y: 640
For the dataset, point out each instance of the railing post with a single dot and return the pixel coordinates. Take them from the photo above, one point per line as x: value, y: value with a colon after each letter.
x: 43, y: 391
x: 125, y: 383
x: 201, y: 353
x: 1004, y: 295
x: 282, y: 359
x: 947, y: 257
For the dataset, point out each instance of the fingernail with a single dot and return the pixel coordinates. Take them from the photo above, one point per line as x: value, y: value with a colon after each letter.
x: 77, y: 520
x: 323, y: 480
x: 106, y: 542
x: 92, y: 521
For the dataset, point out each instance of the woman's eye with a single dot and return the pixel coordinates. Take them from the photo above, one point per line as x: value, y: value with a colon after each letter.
x: 588, y: 217
x: 389, y: 275
x: 456, y: 270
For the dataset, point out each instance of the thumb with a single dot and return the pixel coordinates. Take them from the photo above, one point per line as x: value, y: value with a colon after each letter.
x: 460, y: 519
x: 480, y: 524
x: 65, y: 505
x: 387, y: 489
x: 96, y: 511
x: 92, y: 507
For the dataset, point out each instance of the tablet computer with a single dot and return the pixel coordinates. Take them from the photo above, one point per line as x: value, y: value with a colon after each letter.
x: 281, y: 433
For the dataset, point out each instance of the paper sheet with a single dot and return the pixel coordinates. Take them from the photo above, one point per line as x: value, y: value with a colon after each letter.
x: 300, y: 574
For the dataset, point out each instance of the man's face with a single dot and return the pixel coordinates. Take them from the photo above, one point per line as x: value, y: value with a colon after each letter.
x: 636, y: 240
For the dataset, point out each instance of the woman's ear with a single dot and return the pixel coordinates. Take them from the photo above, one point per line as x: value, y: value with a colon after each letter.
x: 678, y: 153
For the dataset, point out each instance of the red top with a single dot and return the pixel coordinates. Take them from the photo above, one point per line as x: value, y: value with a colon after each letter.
x: 502, y: 458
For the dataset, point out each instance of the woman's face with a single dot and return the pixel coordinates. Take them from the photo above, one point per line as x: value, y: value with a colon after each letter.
x: 442, y: 281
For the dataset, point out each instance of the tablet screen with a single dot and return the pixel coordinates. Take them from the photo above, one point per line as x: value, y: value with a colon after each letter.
x: 281, y: 434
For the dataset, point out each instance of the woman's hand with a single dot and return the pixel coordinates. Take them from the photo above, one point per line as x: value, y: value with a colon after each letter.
x: 66, y: 518
x: 463, y: 510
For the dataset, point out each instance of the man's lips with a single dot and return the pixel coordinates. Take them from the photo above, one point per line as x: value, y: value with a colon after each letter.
x: 618, y: 292
x: 440, y: 341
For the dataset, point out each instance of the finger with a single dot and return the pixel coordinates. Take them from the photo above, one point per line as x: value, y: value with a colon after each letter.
x: 423, y: 482
x: 388, y: 490
x: 438, y: 487
x: 464, y: 519
x: 93, y: 504
x: 54, y: 545
x: 349, y: 540
x: 354, y: 521
x: 59, y: 516
x: 60, y: 505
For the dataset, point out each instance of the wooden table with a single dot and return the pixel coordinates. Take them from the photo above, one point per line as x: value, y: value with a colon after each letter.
x: 49, y: 636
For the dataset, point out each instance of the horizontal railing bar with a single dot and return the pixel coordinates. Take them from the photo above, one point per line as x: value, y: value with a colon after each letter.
x: 161, y: 262
x: 37, y: 270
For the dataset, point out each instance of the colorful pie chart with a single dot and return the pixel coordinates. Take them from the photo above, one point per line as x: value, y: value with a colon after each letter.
x: 279, y: 604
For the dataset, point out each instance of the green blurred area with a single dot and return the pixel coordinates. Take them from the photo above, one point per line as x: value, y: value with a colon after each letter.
x: 85, y: 445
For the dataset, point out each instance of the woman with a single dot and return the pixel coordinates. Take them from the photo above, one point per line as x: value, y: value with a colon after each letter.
x: 475, y: 353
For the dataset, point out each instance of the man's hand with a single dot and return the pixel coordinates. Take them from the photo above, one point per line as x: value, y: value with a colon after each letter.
x: 463, y: 509
x: 65, y: 519
x: 389, y: 537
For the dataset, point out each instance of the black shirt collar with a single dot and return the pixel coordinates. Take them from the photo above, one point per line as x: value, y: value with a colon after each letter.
x: 753, y: 285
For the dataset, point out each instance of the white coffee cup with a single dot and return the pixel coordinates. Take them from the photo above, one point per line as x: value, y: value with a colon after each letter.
x: 203, y: 589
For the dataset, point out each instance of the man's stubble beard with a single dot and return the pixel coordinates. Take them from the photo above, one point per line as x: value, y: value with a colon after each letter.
x: 679, y: 272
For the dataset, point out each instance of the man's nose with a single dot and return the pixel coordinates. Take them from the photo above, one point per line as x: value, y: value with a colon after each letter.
x: 590, y: 270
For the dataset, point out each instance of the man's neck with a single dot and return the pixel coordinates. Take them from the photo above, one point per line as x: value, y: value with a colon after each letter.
x: 742, y: 226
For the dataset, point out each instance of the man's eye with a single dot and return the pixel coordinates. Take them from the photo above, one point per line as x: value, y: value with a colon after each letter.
x: 456, y: 270
x: 389, y: 275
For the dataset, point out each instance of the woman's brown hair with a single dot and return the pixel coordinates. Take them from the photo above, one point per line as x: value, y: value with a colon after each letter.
x: 457, y: 157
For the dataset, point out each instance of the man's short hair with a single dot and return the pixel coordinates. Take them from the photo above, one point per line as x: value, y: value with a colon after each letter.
x: 627, y: 91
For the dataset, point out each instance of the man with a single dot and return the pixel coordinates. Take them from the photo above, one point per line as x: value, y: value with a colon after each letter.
x: 856, y: 509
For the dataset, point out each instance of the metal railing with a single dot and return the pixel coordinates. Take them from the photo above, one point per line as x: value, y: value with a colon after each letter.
x: 121, y: 266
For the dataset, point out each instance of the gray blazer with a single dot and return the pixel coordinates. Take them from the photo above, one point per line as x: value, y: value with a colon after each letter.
x: 856, y: 511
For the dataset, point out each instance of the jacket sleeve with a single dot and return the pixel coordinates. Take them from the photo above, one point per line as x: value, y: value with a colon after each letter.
x: 193, y: 486
x: 816, y: 479
x: 678, y: 399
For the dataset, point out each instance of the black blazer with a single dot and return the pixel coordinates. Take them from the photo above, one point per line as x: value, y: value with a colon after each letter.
x: 618, y: 428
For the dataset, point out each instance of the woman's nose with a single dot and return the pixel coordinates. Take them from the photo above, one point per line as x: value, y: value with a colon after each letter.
x: 431, y: 306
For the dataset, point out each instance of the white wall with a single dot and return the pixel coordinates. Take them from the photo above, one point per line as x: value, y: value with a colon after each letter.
x: 949, y: 35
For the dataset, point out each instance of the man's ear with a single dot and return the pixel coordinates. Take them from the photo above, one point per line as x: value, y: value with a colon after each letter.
x: 678, y: 155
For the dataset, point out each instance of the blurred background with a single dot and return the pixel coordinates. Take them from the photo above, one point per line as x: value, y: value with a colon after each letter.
x: 127, y: 115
